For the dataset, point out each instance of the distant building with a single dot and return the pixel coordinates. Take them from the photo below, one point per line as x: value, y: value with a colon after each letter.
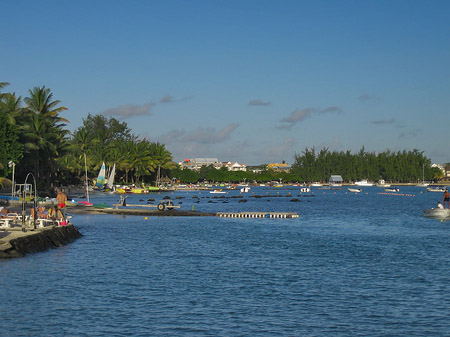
x: 196, y: 163
x: 279, y: 167
x: 335, y: 180
x: 234, y: 166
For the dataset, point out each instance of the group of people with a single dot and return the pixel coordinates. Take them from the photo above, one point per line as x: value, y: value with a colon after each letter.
x: 54, y: 213
x: 445, y: 200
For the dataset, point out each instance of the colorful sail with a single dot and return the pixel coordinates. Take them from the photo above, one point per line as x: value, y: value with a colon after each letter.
x: 101, y: 177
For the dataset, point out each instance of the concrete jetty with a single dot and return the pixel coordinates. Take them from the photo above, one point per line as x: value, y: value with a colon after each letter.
x: 16, y: 243
x: 134, y: 211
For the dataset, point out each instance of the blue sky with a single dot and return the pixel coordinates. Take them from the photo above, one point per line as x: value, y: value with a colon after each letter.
x: 247, y: 81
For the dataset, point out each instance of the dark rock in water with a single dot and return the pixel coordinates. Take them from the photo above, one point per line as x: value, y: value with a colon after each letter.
x: 167, y: 197
x: 151, y: 199
x: 289, y: 195
x: 179, y: 197
x: 211, y: 202
x: 180, y: 203
x: 141, y: 199
x: 195, y: 197
x: 294, y: 200
x: 256, y: 196
x: 243, y: 200
x: 236, y: 196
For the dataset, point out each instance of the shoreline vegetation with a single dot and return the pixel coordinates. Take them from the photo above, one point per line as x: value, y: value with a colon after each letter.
x: 34, y: 139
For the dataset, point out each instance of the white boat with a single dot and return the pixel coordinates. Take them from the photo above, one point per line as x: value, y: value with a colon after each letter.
x: 355, y: 190
x: 245, y: 189
x: 363, y: 182
x: 439, y: 213
x: 315, y: 184
x: 217, y: 192
x: 440, y: 189
x: 382, y: 183
x: 395, y: 189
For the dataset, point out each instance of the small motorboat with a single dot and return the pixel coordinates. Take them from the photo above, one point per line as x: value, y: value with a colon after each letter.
x: 395, y: 190
x: 355, y: 190
x: 438, y: 213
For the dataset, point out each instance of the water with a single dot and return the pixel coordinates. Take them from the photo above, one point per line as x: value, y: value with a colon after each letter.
x: 351, y: 265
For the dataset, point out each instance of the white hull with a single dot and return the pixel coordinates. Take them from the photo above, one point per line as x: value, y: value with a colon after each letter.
x: 355, y: 190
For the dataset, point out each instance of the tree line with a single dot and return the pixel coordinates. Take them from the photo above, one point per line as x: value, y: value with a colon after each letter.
x: 401, y: 166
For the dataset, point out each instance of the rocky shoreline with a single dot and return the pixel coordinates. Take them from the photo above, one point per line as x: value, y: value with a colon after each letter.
x: 16, y: 243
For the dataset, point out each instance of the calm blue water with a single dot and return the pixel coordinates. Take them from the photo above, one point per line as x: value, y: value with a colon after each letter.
x: 351, y: 265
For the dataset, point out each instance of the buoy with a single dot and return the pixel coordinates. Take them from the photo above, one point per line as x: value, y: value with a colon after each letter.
x: 146, y: 218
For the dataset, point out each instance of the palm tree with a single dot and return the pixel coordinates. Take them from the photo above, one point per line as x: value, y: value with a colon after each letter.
x: 10, y: 106
x: 44, y: 133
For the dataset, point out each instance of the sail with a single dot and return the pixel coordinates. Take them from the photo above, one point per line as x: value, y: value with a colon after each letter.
x: 111, y: 177
x: 101, y: 177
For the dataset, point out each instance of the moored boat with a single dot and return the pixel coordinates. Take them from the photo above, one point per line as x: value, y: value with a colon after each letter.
x: 218, y: 192
x: 440, y: 189
x: 382, y: 183
x: 355, y: 190
x: 395, y: 190
x: 363, y: 182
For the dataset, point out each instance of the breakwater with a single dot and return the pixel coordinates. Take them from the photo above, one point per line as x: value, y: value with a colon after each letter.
x: 17, y: 243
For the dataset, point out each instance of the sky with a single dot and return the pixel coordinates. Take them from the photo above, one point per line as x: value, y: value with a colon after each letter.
x: 248, y: 81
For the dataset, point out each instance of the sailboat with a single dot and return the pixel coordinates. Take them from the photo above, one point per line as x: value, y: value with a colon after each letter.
x: 111, y: 177
x: 424, y: 183
x: 101, y: 177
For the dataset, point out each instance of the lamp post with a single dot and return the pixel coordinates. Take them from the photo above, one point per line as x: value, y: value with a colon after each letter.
x: 13, y: 165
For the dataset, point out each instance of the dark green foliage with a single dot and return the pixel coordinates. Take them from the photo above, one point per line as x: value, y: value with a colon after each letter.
x: 402, y: 166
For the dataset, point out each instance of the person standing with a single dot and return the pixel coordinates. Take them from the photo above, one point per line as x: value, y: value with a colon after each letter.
x: 446, y: 198
x: 61, y: 199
